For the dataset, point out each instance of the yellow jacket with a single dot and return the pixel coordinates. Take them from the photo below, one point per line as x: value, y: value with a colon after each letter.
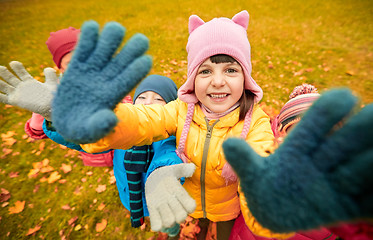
x: 215, y: 199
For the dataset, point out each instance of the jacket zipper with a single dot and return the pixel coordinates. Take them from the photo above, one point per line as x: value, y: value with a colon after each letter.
x: 204, y: 162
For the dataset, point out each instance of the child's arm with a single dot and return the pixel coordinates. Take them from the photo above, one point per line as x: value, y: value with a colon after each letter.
x: 320, y: 175
x: 164, y: 154
x: 139, y: 125
x: 261, y: 139
x: 34, y: 127
x: 162, y: 178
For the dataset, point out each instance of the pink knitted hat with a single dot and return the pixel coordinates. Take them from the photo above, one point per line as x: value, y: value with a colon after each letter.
x: 62, y: 42
x: 218, y: 36
x: 301, y: 98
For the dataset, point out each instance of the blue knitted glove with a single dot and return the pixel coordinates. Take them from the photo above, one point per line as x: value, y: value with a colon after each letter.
x: 95, y: 81
x: 320, y: 175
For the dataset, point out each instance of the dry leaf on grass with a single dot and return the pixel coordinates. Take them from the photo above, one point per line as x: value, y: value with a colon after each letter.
x: 112, y: 180
x: 5, y: 195
x: 66, y: 207
x: 101, y: 188
x: 33, y: 230
x: 46, y: 169
x: 41, y: 146
x: 72, y: 220
x: 13, y: 174
x: 18, y: 207
x: 65, y: 168
x: 101, y: 206
x: 54, y: 177
x: 101, y: 226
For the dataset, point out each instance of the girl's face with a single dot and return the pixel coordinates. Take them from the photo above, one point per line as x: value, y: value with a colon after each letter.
x: 219, y: 86
x: 149, y: 97
x: 65, y: 61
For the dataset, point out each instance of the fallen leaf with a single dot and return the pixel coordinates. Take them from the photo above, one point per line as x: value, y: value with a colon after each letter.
x: 350, y: 73
x: 33, y: 230
x: 6, y: 151
x: 45, y: 162
x: 54, y: 177
x: 101, y: 206
x: 72, y: 220
x: 43, y: 179
x: 90, y: 173
x: 143, y: 227
x: 62, y: 181
x: 13, y: 174
x: 65, y: 168
x: 189, y: 230
x: 112, y: 180
x: 33, y: 173
x: 77, y: 191
x: 78, y: 227
x: 101, y: 188
x: 37, y: 165
x: 9, y: 141
x: 66, y: 207
x: 18, y: 207
x: 71, y: 153
x: 41, y: 146
x: 101, y: 226
x: 46, y: 169
x: 5, y: 195
x: 8, y: 134
x: 37, y: 186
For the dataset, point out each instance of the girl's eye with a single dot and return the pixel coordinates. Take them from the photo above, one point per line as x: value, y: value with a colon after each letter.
x: 205, y: 71
x: 141, y: 97
x: 159, y: 99
x: 231, y: 70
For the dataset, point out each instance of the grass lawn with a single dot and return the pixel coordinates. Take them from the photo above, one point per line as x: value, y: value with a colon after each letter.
x: 325, y: 43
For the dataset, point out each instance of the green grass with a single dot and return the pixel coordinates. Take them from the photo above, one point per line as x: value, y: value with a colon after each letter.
x: 326, y: 43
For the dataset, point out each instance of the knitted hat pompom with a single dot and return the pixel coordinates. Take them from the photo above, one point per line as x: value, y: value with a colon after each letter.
x: 303, y: 89
x: 301, y: 98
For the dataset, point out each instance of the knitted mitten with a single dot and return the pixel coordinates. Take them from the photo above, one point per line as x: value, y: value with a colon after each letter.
x: 168, y: 202
x: 320, y: 175
x: 95, y: 81
x: 25, y: 91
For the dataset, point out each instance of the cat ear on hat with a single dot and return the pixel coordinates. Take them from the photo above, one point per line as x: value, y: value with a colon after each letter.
x: 242, y: 19
x: 194, y: 22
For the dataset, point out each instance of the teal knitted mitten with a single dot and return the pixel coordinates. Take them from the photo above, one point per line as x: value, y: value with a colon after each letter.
x: 96, y: 80
x: 320, y: 175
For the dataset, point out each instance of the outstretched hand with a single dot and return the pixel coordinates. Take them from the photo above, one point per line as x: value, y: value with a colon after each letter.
x: 320, y: 175
x: 168, y: 202
x: 26, y: 92
x: 95, y: 81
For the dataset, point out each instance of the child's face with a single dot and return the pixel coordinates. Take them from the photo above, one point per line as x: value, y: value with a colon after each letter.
x: 149, y: 97
x: 65, y: 61
x: 219, y: 86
